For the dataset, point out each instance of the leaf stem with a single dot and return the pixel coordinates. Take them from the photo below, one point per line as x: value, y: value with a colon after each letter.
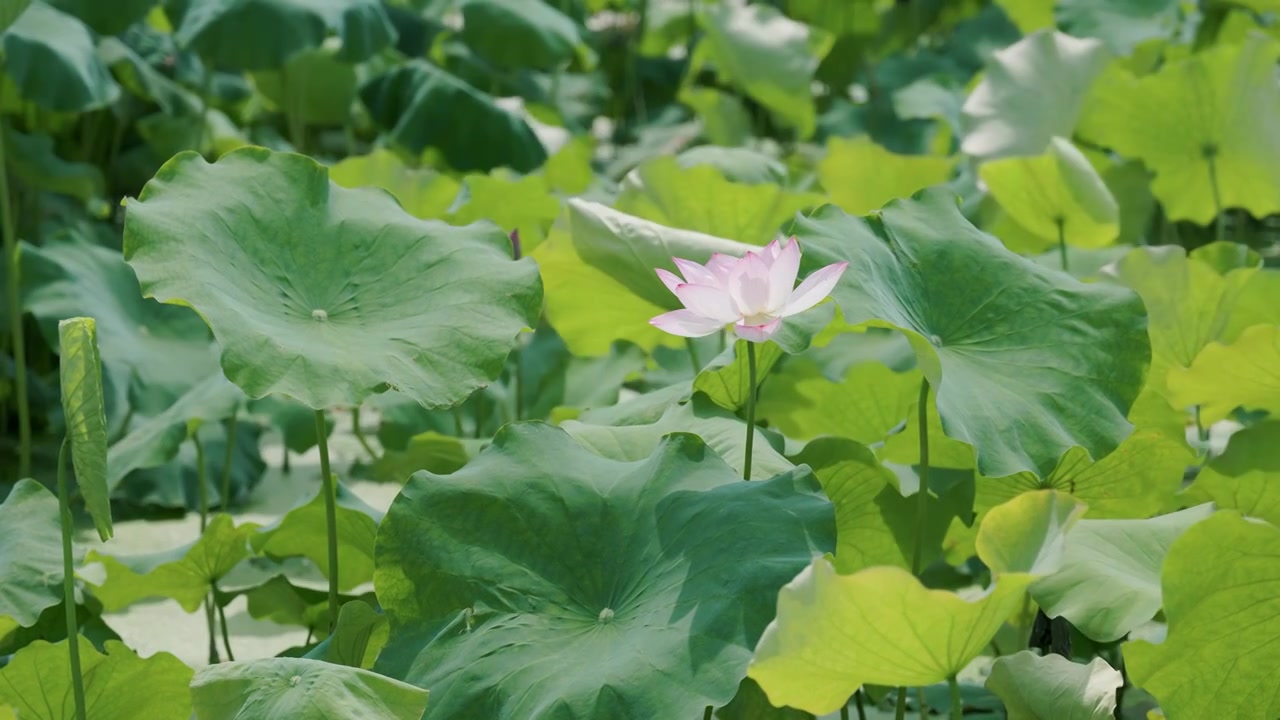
x: 922, y: 509
x: 693, y: 355
x: 844, y: 712
x: 330, y: 516
x: 12, y: 258
x: 206, y: 90
x: 857, y: 703
x: 751, y: 409
x: 359, y: 433
x: 69, y: 583
x: 706, y: 714
x: 211, y: 622
x: 1062, y: 243
x: 292, y: 112
x: 224, y: 492
x: 222, y: 622
x: 202, y: 485
x: 957, y: 706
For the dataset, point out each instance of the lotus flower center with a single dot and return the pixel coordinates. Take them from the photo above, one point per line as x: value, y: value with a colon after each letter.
x: 319, y: 315
x: 758, y: 319
x: 606, y: 615
x: 295, y: 679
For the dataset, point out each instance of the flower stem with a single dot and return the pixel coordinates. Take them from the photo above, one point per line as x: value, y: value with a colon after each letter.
x: 751, y: 409
x: 330, y: 516
x: 957, y: 707
x: 922, y: 510
x: 69, y: 583
x: 693, y: 356
x: 12, y: 287
x: 1062, y: 243
x: 359, y: 433
x: 224, y: 492
x: 202, y: 486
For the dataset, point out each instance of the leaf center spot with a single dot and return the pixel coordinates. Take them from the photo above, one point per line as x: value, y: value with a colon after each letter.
x: 319, y: 315
x: 935, y: 340
x: 295, y: 680
x: 606, y: 615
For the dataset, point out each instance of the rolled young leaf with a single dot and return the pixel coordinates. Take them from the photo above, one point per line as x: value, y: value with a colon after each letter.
x: 86, y: 418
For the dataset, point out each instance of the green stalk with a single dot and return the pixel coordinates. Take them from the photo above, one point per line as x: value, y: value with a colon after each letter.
x: 222, y: 621
x: 330, y: 517
x: 359, y: 433
x: 202, y: 486
x: 693, y: 355
x: 69, y: 583
x: 1062, y: 244
x: 12, y: 260
x: 923, y: 706
x: 751, y: 409
x: 922, y: 510
x: 205, y: 91
x: 706, y: 714
x: 211, y: 622
x: 844, y: 712
x: 224, y: 497
x: 957, y: 707
x: 292, y: 115
x: 857, y: 701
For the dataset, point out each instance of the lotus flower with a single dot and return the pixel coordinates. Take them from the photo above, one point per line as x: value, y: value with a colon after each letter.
x: 754, y: 292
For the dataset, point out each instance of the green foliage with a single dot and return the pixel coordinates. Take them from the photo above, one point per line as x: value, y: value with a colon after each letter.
x: 118, y: 685
x: 30, y: 556
x: 1034, y: 686
x: 303, y: 689
x: 85, y: 416
x: 301, y: 532
x: 50, y: 58
x: 601, y: 568
x: 333, y: 321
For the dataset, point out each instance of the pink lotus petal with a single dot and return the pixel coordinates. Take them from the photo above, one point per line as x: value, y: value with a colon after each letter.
x: 814, y: 289
x: 782, y: 275
x: 748, y: 286
x: 695, y: 273
x: 685, y: 323
x: 670, y: 279
x: 757, y: 333
x: 771, y: 251
x: 708, y: 301
x: 721, y: 265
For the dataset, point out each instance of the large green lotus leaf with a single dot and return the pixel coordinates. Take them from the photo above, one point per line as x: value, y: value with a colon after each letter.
x: 525, y: 204
x: 866, y: 405
x: 1137, y: 480
x: 324, y: 293
x: 724, y: 118
x: 700, y: 198
x: 1032, y: 91
x: 517, y: 35
x: 1123, y: 556
x: 423, y: 193
x: 184, y: 574
x: 106, y: 18
x: 265, y: 34
x: 1246, y: 477
x: 32, y: 160
x: 301, y: 689
x: 476, y: 134
x: 752, y: 704
x: 1203, y: 118
x: 767, y: 55
x: 1057, y: 194
x: 1050, y: 686
x: 147, y: 82
x: 119, y: 685
x: 156, y: 351
x: 719, y: 428
x: 85, y: 415
x: 880, y: 625
x: 1220, y: 600
x: 315, y: 84
x: 431, y: 451
x: 1121, y: 24
x: 875, y: 524
x: 303, y: 532
x: 543, y: 581
x: 52, y: 60
x: 1189, y: 306
x: 726, y: 380
x: 862, y: 176
x: 157, y: 439
x: 30, y: 555
x: 600, y: 280
x: 1245, y: 374
x: 736, y: 164
x: 10, y: 10
x: 359, y: 635
x: 1005, y: 350
x: 876, y: 626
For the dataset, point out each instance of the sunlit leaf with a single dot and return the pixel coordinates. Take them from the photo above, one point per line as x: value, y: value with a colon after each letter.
x: 1051, y: 686
x: 1245, y: 373
x: 303, y: 532
x: 301, y: 689
x: 861, y: 176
